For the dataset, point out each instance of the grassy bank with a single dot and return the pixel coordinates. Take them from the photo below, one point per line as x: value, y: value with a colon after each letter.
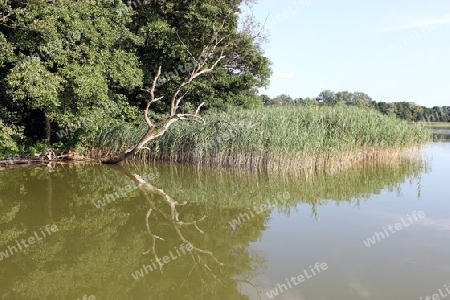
x: 305, y: 139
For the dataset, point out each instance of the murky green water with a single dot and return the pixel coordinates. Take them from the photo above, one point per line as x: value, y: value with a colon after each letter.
x: 255, y: 235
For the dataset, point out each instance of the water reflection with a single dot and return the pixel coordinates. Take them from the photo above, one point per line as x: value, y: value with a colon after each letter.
x: 440, y: 133
x: 96, y: 250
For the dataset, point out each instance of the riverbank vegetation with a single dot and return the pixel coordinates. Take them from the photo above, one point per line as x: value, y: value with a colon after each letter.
x: 303, y: 139
x: 96, y: 65
x: 82, y: 86
x: 404, y: 110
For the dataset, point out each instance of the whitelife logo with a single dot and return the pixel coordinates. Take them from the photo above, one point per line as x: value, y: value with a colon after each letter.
x: 31, y: 240
x: 439, y: 296
x: 398, y: 226
x: 165, y: 260
x: 244, y: 217
x: 318, y: 267
x: 86, y: 297
x: 122, y: 192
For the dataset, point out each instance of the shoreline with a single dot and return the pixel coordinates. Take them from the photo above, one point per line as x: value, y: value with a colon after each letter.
x: 322, y: 163
x: 60, y: 158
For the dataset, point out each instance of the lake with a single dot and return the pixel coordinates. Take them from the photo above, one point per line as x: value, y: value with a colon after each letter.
x: 100, y: 232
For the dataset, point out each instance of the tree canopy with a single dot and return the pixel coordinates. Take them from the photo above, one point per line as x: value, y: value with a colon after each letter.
x: 85, y: 62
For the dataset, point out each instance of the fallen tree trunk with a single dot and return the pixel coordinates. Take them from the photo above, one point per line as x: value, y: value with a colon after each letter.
x: 152, y: 133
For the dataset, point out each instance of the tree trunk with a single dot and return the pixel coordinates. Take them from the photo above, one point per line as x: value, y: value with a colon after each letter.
x: 48, y: 128
x: 201, y: 66
x: 151, y: 134
x: 129, y: 152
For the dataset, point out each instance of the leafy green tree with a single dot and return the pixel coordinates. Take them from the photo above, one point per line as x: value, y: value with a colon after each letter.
x: 310, y: 101
x: 9, y: 135
x: 282, y: 99
x: 361, y: 99
x: 85, y: 69
x: 345, y: 97
x: 404, y: 110
x: 81, y: 63
x: 391, y: 109
x: 328, y: 97
x: 417, y: 113
x: 266, y: 99
x: 208, y: 55
x: 383, y: 107
x: 175, y: 32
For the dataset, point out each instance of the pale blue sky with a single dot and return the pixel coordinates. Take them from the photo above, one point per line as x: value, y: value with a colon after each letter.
x: 391, y: 50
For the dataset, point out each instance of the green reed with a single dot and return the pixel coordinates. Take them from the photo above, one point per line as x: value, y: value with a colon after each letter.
x: 305, y: 138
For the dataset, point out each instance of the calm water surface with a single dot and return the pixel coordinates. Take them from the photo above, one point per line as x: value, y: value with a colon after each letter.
x: 253, y: 233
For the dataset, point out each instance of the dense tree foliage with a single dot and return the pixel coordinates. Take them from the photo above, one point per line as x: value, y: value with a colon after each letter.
x: 78, y: 66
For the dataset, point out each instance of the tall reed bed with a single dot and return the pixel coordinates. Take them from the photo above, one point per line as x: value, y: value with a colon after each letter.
x: 305, y: 139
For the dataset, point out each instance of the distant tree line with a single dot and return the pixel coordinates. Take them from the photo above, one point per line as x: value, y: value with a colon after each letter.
x: 404, y: 110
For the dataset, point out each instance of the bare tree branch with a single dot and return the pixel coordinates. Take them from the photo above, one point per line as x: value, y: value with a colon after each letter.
x: 187, y: 48
x: 6, y: 16
x: 174, y: 216
x: 195, y: 73
x: 152, y: 98
x: 209, y: 58
x: 153, y: 239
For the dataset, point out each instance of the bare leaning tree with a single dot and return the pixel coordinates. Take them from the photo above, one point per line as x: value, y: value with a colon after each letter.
x: 207, y: 60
